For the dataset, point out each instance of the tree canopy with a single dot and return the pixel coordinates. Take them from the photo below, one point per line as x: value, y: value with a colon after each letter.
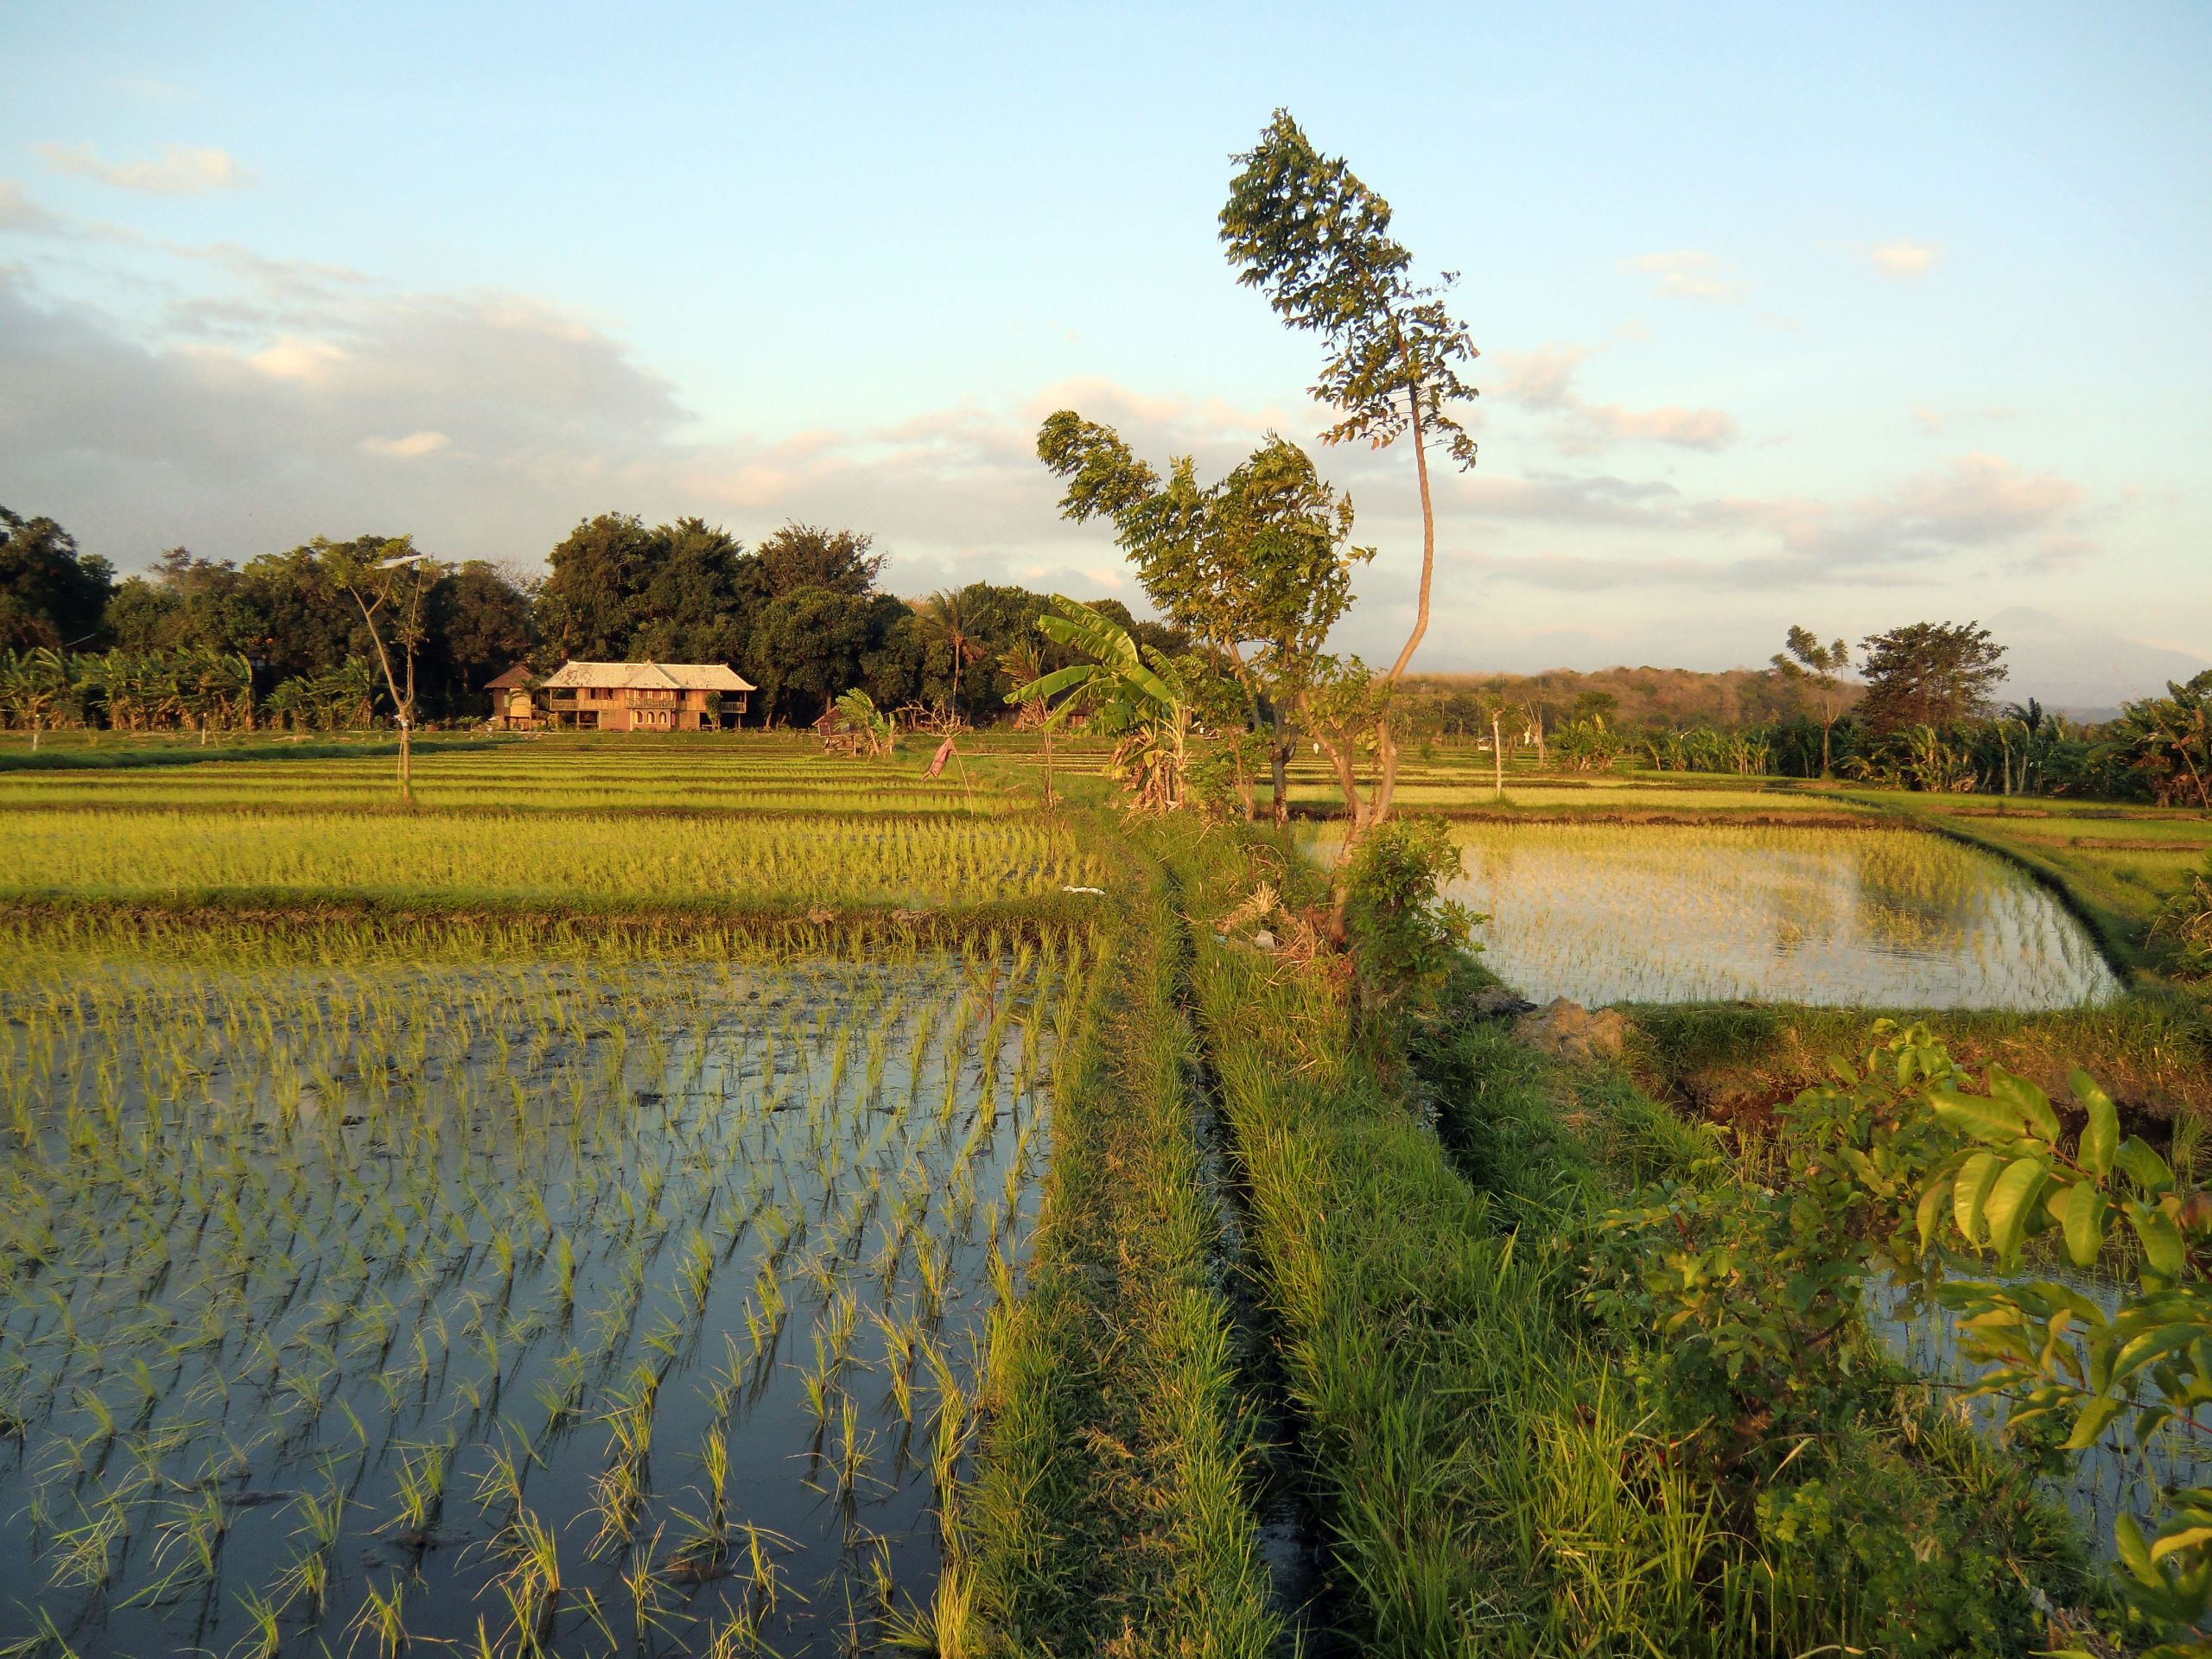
x: 1257, y: 567
x: 1308, y: 232
x: 1934, y: 674
x: 51, y: 592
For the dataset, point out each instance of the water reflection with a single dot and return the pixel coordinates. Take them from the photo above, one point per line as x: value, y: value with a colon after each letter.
x: 1608, y: 913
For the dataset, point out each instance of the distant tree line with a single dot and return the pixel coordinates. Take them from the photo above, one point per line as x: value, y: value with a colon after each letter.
x: 802, y: 615
x: 1923, y: 715
x: 203, y: 645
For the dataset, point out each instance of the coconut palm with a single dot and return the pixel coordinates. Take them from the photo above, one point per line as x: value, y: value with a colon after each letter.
x: 945, y: 617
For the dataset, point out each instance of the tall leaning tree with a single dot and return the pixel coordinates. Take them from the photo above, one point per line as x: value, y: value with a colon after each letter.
x: 1302, y: 228
x: 1256, y: 568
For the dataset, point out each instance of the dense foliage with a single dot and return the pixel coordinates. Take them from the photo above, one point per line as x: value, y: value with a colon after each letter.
x: 1756, y: 1289
x: 801, y: 615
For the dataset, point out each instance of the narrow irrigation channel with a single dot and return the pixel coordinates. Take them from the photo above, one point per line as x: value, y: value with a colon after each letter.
x: 1290, y: 1535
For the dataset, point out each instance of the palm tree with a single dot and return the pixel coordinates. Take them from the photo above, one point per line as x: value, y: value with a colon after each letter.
x: 1806, y: 659
x: 944, y: 618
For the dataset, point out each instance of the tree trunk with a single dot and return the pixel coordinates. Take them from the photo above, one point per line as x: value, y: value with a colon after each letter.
x: 1386, y: 745
x: 1498, y: 757
x: 1279, y: 763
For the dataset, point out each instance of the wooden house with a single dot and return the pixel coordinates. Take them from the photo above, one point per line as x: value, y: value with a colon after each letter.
x: 645, y: 696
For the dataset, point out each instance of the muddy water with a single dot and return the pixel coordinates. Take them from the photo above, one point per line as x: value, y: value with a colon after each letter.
x: 2113, y: 1477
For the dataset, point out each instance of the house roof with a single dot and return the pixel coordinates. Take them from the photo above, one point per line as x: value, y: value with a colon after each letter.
x: 519, y: 675
x: 649, y: 677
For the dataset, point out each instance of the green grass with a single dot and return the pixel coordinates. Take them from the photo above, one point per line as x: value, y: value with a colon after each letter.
x: 1480, y: 1466
x: 1114, y: 1510
x: 213, y: 858
x: 1735, y: 1063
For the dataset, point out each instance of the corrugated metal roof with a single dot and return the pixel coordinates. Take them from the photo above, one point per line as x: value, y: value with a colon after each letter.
x: 648, y: 676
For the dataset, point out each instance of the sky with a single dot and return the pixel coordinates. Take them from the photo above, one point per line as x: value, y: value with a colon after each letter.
x: 1840, y: 316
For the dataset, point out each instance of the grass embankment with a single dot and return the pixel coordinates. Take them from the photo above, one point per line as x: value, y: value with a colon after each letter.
x: 1735, y: 1063
x: 1112, y: 1513
x: 1481, y: 1464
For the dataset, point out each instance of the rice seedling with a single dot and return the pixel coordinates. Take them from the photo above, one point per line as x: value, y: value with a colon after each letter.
x: 304, y: 1220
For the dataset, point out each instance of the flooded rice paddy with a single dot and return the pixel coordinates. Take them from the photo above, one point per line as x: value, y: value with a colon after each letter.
x: 2113, y: 1477
x: 1662, y: 914
x: 522, y: 1308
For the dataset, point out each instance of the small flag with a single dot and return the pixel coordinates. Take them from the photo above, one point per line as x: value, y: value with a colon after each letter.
x: 944, y: 754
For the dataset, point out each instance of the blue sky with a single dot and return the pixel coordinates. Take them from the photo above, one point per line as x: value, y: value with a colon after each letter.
x: 1847, y: 316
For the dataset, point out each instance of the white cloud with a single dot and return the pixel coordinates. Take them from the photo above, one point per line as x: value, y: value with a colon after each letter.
x: 1543, y: 381
x: 1689, y: 274
x: 1976, y: 501
x: 18, y: 213
x: 182, y: 170
x: 1905, y: 261
x: 1930, y: 419
x: 297, y: 359
x: 254, y: 403
x: 415, y: 444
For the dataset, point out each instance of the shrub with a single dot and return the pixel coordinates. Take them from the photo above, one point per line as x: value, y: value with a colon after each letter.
x: 1404, y: 937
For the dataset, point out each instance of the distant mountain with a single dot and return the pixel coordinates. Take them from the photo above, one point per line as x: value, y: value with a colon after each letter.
x: 2084, y: 672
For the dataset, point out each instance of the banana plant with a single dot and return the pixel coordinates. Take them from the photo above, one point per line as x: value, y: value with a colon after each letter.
x: 37, y: 688
x: 1130, y: 692
x: 877, y: 729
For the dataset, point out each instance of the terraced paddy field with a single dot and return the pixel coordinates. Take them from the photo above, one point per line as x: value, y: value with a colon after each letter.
x: 592, y: 1304
x: 716, y: 1198
x: 752, y: 774
x: 199, y: 855
x: 601, y: 1260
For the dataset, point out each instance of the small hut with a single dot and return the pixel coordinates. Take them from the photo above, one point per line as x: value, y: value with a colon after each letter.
x: 512, y: 706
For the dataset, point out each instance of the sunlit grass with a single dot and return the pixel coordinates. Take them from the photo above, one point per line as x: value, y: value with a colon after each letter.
x: 553, y: 859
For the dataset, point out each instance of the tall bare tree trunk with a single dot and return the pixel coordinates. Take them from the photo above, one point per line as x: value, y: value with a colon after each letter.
x: 1497, y: 756
x: 1386, y: 742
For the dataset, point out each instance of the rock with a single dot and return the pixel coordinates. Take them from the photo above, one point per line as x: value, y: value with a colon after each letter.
x: 1496, y: 1000
x: 1572, y: 1033
x: 1264, y: 939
